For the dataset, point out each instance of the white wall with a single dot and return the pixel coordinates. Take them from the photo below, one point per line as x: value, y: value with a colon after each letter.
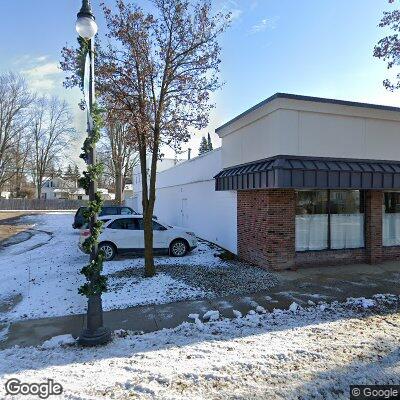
x: 162, y: 165
x: 295, y: 127
x: 186, y: 197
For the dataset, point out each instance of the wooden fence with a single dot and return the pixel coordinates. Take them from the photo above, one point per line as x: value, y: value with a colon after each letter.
x: 40, y: 204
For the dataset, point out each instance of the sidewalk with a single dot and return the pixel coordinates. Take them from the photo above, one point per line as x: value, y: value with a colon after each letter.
x: 324, y: 284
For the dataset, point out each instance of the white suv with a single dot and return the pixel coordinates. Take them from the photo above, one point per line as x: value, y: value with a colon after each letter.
x: 124, y: 234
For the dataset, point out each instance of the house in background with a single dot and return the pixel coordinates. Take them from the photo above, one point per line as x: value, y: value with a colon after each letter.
x: 60, y: 188
x: 5, y: 194
x: 78, y: 194
x: 298, y: 181
x: 105, y: 194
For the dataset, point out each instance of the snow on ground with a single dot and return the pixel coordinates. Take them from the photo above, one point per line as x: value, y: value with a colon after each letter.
x: 203, y: 255
x: 58, y: 341
x: 305, y: 354
x: 42, y: 275
x: 48, y: 275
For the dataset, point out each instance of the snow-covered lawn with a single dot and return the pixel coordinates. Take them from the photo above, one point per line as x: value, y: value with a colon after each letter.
x: 42, y: 275
x: 303, y: 354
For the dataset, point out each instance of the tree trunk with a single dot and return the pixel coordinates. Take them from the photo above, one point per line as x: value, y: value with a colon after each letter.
x: 148, y: 197
x: 149, y: 210
x: 149, y: 269
x: 118, y: 187
x: 39, y: 190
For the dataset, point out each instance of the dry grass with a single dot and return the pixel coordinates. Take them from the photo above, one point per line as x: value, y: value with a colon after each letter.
x: 8, y: 230
x: 12, y: 214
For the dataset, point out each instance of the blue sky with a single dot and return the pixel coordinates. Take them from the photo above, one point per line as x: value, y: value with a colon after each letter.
x: 310, y: 47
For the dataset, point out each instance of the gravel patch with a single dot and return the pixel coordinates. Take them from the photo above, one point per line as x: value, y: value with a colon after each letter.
x: 233, y: 278
x: 230, y: 278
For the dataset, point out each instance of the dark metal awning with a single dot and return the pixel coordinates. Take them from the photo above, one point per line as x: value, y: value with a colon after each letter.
x: 310, y: 173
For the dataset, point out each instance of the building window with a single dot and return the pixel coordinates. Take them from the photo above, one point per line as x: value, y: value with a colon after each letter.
x: 391, y: 219
x: 329, y: 219
x: 312, y: 220
x: 346, y: 219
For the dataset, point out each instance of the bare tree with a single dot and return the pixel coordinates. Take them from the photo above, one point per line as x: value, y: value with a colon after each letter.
x: 162, y: 71
x: 106, y: 179
x: 158, y: 70
x: 118, y: 144
x: 15, y: 101
x: 20, y: 152
x: 51, y: 135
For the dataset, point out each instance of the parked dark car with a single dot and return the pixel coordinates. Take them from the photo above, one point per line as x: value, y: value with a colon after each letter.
x: 79, y: 220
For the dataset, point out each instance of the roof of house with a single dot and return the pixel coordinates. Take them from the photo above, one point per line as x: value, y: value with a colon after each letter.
x: 311, y: 99
x: 79, y: 191
x: 63, y: 190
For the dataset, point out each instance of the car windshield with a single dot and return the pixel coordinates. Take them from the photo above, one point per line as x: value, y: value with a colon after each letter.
x: 163, y: 224
x: 109, y: 211
x: 80, y: 211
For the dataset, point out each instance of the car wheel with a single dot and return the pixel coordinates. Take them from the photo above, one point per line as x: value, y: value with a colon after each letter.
x: 178, y: 248
x: 108, y: 250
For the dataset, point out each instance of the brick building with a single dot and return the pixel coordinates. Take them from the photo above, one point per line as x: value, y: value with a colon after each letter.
x: 317, y: 181
x: 299, y: 181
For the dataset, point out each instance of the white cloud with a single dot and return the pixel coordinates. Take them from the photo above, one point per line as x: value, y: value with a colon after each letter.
x: 235, y: 14
x: 51, y: 68
x: 41, y: 59
x: 44, y: 77
x: 264, y: 24
x: 232, y: 7
x: 28, y: 60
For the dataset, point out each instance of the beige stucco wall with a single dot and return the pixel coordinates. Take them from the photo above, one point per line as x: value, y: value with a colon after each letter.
x: 294, y: 127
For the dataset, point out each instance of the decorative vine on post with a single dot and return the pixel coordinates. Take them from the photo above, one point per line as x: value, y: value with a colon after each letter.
x: 96, y: 283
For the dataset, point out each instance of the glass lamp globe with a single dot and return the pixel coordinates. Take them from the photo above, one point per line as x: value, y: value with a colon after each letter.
x: 86, y: 27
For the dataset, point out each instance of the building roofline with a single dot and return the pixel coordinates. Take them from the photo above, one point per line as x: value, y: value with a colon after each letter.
x: 310, y: 99
x: 312, y: 173
x: 195, y: 158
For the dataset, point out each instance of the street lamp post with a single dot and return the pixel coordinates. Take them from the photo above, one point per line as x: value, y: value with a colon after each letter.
x: 95, y: 333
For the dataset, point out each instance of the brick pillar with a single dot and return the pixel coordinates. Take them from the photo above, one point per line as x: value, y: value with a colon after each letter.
x: 266, y: 227
x: 373, y: 226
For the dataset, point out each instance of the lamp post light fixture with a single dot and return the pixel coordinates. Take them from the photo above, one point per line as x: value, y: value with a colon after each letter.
x: 95, y: 333
x: 86, y: 23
